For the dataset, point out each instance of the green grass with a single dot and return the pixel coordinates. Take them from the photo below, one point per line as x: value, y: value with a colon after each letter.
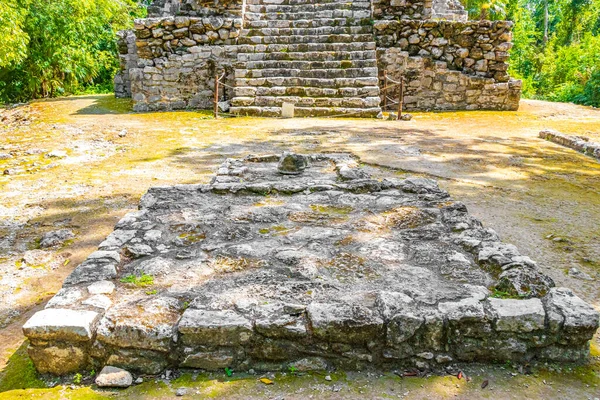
x: 139, y: 281
x: 20, y: 372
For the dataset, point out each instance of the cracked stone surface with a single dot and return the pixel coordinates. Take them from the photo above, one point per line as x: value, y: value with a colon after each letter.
x: 324, y: 268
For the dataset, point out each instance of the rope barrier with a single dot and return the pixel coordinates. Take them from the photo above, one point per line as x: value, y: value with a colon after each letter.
x: 386, y: 98
x: 393, y: 81
x: 226, y: 85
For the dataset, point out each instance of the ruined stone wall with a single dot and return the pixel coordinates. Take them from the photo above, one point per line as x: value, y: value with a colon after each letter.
x: 195, y: 8
x: 430, y: 85
x: 127, y: 59
x: 179, y: 58
x: 451, y: 10
x: 401, y: 9
x: 475, y: 47
x: 449, y: 65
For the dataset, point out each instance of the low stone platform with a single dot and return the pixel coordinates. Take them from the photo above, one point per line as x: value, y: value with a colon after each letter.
x: 579, y: 143
x: 313, y: 264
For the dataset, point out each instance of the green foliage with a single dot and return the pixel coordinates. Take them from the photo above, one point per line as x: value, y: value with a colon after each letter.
x: 13, y: 44
x: 140, y: 281
x: 77, y: 378
x: 566, y: 66
x: 228, y: 371
x: 50, y: 48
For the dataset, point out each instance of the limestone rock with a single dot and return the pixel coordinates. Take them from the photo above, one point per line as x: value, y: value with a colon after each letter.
x: 58, y: 359
x: 221, y: 328
x: 101, y: 287
x: 114, y: 377
x: 143, y: 324
x: 55, y: 238
x: 117, y: 238
x: 280, y: 320
x: 292, y: 164
x: 209, y: 360
x: 61, y: 324
x: 518, y: 315
x: 576, y: 273
x: 310, y: 364
x: 65, y: 297
x: 344, y: 323
x: 525, y: 282
x: 142, y: 361
x: 99, y: 301
x: 579, y: 319
x: 348, y: 173
x: 91, y: 271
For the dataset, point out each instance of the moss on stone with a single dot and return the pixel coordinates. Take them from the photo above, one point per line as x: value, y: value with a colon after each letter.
x: 20, y: 372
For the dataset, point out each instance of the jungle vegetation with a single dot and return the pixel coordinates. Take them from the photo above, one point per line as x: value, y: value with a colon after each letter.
x: 61, y: 47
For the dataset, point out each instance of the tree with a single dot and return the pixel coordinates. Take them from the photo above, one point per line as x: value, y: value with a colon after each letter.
x: 13, y: 40
x: 60, y: 47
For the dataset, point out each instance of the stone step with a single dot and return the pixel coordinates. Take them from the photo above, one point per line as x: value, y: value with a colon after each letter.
x: 313, y: 73
x: 306, y: 39
x: 308, y: 111
x: 307, y: 82
x: 311, y: 55
x: 302, y: 23
x: 355, y: 17
x: 313, y: 7
x: 306, y: 47
x: 306, y: 65
x: 277, y: 101
x: 323, y: 30
x: 305, y: 92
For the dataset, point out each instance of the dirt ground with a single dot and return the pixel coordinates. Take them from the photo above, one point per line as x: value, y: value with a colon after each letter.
x: 80, y: 163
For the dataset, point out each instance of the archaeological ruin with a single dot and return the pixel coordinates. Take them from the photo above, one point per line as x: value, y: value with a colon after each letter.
x: 309, y: 262
x: 326, y: 57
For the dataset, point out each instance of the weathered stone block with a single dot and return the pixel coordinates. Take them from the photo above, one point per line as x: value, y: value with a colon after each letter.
x: 344, y: 323
x: 147, y: 324
x: 221, y: 328
x: 62, y: 325
x: 209, y: 360
x: 518, y: 315
x: 58, y: 359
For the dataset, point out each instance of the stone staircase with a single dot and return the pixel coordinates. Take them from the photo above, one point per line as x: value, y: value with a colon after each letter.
x: 317, y: 54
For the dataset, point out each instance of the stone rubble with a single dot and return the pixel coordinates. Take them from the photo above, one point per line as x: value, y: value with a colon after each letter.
x: 114, y: 377
x: 55, y: 238
x: 328, y: 268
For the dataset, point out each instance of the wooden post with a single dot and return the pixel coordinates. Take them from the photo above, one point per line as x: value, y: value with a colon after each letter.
x: 400, y: 98
x: 385, y: 79
x: 216, y: 111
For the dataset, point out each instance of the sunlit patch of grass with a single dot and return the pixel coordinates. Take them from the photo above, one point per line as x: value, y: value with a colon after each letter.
x: 139, y: 281
x: 20, y: 372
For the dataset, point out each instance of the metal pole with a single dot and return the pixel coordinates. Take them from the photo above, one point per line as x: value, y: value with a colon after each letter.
x: 216, y: 111
x: 400, y: 98
x: 385, y: 79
